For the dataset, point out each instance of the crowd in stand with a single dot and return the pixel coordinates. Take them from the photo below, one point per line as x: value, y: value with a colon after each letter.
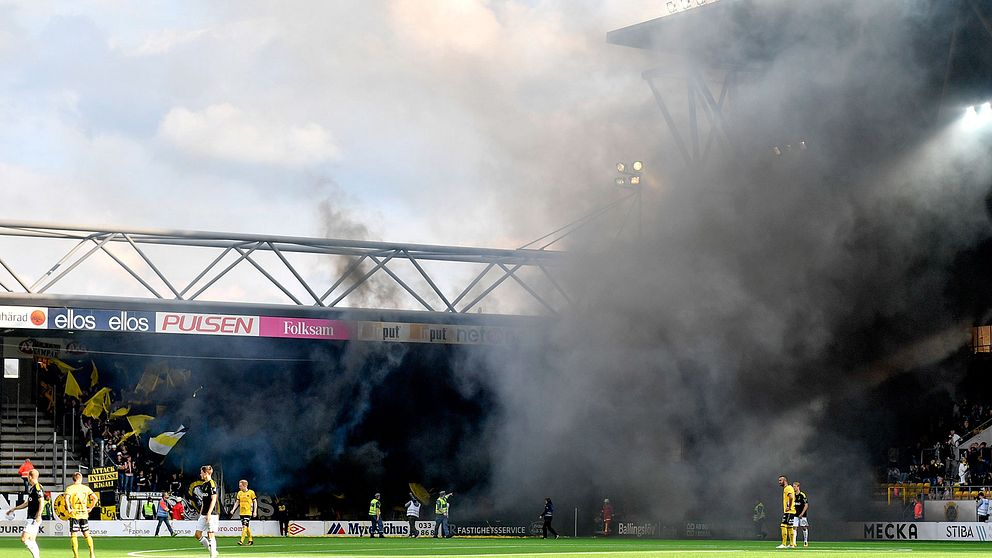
x: 138, y: 468
x: 943, y: 462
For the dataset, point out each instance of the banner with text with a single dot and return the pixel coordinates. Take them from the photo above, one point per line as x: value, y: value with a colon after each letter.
x: 921, y: 531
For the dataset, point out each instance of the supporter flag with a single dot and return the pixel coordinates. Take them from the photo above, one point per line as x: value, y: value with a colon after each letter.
x: 120, y: 412
x: 419, y: 492
x: 63, y: 366
x: 98, y: 404
x: 148, y: 382
x: 48, y: 394
x: 139, y: 424
x: 175, y: 377
x: 164, y: 442
x: 94, y: 376
x: 71, y: 387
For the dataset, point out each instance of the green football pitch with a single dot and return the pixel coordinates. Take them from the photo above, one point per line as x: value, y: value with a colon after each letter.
x: 125, y: 547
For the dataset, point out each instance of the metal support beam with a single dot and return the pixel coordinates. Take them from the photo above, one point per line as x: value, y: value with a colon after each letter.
x: 170, y: 261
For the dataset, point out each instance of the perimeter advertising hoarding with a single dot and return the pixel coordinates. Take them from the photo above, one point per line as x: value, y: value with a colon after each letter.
x: 189, y: 323
x: 303, y: 328
x: 146, y: 528
x: 206, y: 324
x: 436, y: 333
x: 89, y: 319
x: 23, y: 317
x: 51, y: 347
x: 232, y: 528
x: 921, y: 531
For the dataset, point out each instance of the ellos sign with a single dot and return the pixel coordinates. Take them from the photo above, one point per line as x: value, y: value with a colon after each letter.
x: 101, y: 320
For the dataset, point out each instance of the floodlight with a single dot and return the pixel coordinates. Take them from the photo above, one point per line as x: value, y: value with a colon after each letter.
x: 802, y: 145
x: 620, y: 181
x: 776, y: 150
x: 635, y: 180
x: 970, y: 117
x: 638, y: 166
x: 621, y: 167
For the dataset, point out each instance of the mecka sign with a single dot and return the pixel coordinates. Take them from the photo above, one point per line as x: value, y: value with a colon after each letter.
x: 921, y: 531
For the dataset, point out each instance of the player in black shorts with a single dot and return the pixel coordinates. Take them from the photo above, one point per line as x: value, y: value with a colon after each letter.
x: 802, y: 506
x: 35, y: 503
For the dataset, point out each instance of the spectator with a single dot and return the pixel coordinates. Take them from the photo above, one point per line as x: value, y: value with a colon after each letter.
x: 953, y: 439
x: 917, y: 510
x: 128, y: 470
x: 178, y: 510
x: 162, y: 511
x: 963, y: 472
x: 175, y: 485
x: 142, y: 485
x: 24, y: 469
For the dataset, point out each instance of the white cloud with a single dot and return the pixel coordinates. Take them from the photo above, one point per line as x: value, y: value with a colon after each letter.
x: 229, y: 133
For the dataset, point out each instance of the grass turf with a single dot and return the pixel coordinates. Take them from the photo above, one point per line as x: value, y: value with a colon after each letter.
x: 271, y: 547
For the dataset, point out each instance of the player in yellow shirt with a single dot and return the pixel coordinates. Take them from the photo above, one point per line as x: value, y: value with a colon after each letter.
x: 788, y: 512
x: 80, y: 500
x: 247, y: 507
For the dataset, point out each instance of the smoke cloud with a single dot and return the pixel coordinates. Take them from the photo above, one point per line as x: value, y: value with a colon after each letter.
x: 744, y: 332
x: 742, y: 335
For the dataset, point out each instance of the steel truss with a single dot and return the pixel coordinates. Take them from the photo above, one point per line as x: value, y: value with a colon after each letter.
x: 700, y: 98
x: 358, y: 262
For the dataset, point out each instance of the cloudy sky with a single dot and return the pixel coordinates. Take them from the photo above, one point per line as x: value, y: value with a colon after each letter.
x: 451, y: 121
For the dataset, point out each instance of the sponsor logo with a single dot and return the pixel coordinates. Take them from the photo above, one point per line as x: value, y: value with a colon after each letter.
x: 101, y: 320
x: 891, y: 531
x: 695, y: 530
x: 638, y: 530
x: 362, y: 528
x: 23, y: 317
x: 52, y: 348
x: 486, y: 336
x: 76, y: 348
x: 295, y: 529
x: 18, y: 529
x: 305, y: 328
x: 206, y: 324
x: 951, y: 511
x: 491, y: 530
x: 336, y: 529
x: 966, y: 531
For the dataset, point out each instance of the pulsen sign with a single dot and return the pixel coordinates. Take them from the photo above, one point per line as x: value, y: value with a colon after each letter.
x: 206, y: 324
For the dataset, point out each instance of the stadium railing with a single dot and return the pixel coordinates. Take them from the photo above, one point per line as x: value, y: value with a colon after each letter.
x: 904, y: 492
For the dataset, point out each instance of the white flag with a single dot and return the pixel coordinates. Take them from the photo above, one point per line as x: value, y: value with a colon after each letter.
x: 164, y: 442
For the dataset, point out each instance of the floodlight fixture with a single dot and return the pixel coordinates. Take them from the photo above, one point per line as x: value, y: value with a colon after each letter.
x: 620, y: 181
x: 635, y: 180
x: 638, y: 166
x: 802, y: 145
x: 776, y: 151
x: 621, y: 167
x: 971, y: 119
